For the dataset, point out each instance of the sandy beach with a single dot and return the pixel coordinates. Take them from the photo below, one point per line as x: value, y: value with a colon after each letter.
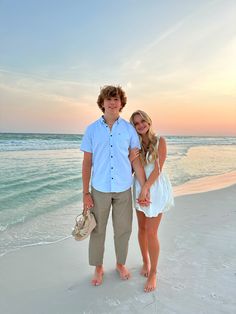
x: 196, y: 272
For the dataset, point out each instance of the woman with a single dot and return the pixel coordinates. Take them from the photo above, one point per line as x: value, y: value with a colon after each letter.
x: 153, y: 155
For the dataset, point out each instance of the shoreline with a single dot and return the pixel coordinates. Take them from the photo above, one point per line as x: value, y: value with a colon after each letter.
x: 206, y: 184
x: 196, y: 186
x: 195, y: 272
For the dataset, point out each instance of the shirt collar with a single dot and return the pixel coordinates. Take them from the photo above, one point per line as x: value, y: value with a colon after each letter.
x: 102, y: 120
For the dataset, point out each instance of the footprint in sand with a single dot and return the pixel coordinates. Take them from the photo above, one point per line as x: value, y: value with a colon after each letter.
x: 179, y: 286
x: 112, y: 302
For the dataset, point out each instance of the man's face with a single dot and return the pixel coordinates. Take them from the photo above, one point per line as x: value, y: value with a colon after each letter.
x: 112, y: 105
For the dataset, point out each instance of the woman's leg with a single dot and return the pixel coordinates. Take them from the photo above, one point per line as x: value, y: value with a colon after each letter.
x: 142, y: 238
x: 152, y: 225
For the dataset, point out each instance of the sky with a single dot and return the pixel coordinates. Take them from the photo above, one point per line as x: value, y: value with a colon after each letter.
x: 176, y: 60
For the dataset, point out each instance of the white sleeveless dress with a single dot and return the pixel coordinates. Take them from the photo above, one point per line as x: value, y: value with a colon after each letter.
x: 161, y: 194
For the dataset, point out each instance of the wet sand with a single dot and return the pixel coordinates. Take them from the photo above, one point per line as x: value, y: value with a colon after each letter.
x: 196, y: 272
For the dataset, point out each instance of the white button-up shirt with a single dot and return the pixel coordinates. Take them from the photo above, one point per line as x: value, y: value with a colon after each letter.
x: 111, y: 168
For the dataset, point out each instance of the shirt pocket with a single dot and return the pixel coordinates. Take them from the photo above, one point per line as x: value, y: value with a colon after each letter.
x: 123, y: 141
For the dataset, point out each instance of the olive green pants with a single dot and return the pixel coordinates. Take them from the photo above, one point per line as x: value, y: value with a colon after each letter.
x: 121, y: 204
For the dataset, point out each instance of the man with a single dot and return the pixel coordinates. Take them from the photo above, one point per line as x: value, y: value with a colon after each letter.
x: 106, y: 144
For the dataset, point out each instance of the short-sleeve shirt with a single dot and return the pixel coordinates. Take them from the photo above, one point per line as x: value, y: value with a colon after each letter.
x: 111, y: 167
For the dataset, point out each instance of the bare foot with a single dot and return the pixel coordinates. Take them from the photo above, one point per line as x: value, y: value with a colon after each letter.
x: 151, y: 282
x: 98, y: 275
x: 145, y: 270
x: 123, y: 271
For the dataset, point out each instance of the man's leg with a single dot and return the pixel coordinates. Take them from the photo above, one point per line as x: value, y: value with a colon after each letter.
x: 122, y: 214
x: 101, y: 209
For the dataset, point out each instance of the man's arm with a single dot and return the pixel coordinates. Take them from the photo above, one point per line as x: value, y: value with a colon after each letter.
x: 139, y: 171
x: 133, y: 153
x: 86, y: 175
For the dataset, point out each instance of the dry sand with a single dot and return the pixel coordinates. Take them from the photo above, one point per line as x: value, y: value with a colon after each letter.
x: 196, y: 272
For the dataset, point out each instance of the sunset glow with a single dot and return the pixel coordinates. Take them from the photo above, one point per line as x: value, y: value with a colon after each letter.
x: 175, y: 59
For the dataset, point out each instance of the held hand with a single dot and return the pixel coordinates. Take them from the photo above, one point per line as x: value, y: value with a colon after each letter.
x: 133, y: 154
x: 88, y: 202
x: 144, y: 203
x: 144, y: 197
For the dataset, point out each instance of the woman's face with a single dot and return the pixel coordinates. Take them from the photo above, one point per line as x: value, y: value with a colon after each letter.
x: 140, y: 125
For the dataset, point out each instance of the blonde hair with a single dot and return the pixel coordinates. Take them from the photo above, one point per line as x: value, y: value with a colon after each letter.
x: 149, y: 153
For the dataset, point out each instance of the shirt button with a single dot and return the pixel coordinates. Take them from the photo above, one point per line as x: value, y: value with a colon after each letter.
x: 111, y: 167
x: 111, y: 145
x: 111, y: 135
x: 112, y: 178
x: 111, y: 156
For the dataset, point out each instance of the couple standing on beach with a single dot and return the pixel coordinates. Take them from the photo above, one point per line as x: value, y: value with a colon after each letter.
x: 112, y: 148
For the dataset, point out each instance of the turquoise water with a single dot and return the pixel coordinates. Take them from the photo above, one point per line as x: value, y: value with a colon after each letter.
x: 41, y: 185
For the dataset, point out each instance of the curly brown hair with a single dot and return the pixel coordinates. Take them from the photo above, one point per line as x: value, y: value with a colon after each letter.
x: 111, y: 91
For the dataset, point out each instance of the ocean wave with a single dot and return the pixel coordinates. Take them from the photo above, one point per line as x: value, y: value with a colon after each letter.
x: 19, y: 215
x: 25, y: 142
x: 40, y: 192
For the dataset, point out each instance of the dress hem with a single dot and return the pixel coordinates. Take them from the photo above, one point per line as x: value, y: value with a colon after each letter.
x: 153, y: 216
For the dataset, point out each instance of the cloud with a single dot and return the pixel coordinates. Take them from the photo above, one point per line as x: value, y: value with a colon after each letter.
x: 45, y: 87
x: 219, y: 76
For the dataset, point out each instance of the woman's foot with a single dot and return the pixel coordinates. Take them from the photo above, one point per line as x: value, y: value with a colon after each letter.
x: 98, y: 276
x: 123, y: 271
x: 151, y: 282
x: 145, y: 270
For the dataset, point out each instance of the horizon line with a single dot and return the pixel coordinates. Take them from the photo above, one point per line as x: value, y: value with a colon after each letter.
x: 176, y: 135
